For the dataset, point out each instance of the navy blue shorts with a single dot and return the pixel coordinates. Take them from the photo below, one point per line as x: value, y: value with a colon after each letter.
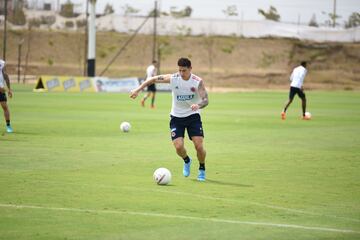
x: 151, y: 88
x: 3, y: 97
x: 298, y: 91
x: 191, y: 123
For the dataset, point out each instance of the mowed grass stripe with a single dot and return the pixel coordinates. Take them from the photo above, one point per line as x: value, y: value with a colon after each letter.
x: 173, y: 192
x: 68, y: 152
x: 161, y: 215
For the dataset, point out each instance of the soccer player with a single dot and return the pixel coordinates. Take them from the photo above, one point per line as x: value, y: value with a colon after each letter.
x: 296, y: 87
x: 151, y: 89
x: 189, y: 95
x: 4, y: 78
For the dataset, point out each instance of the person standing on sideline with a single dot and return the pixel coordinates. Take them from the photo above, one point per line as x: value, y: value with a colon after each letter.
x: 189, y: 95
x: 4, y: 79
x: 296, y: 87
x: 151, y: 71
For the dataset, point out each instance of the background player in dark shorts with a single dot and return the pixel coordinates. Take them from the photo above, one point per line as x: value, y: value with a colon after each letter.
x: 296, y: 87
x: 151, y: 89
x: 4, y: 80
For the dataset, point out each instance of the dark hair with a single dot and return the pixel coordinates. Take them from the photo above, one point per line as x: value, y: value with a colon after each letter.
x: 184, y: 62
x: 303, y: 63
x: 154, y: 61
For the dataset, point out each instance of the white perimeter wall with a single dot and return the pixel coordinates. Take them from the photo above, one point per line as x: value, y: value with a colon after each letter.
x: 223, y: 27
x: 171, y: 26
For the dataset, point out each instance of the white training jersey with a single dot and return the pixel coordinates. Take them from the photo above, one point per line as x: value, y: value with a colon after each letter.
x: 150, y: 71
x: 297, y: 76
x: 2, y: 80
x: 184, y: 94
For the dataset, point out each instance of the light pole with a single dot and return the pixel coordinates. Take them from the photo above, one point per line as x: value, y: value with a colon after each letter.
x: 86, y: 36
x: 334, y: 14
x: 154, y: 35
x: 19, y: 59
x: 91, y: 63
x: 5, y: 32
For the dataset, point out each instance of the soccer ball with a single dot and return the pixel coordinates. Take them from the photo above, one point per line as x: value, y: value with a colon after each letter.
x: 125, y: 126
x: 162, y: 176
x: 308, y: 115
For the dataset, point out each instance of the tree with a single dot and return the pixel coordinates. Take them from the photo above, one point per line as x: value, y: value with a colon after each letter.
x: 313, y: 22
x: 17, y: 16
x: 67, y: 9
x: 230, y: 11
x: 108, y: 9
x: 332, y: 19
x: 272, y: 14
x: 129, y: 10
x: 186, y: 12
x: 158, y: 13
x: 354, y: 20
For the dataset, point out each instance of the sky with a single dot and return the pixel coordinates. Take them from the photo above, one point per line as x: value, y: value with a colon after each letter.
x: 289, y: 10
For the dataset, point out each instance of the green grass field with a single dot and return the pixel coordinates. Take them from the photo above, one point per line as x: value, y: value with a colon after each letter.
x: 68, y: 172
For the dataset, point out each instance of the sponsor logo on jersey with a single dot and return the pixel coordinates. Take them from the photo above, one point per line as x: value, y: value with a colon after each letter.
x: 192, y: 89
x: 184, y: 97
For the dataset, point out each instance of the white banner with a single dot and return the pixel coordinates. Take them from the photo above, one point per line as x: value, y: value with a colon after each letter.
x: 104, y: 84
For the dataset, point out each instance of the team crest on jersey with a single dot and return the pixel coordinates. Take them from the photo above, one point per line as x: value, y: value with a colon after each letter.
x: 193, y: 89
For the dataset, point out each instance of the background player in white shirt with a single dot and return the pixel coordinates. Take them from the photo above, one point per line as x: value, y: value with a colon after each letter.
x: 151, y: 71
x: 4, y: 80
x: 189, y: 95
x: 296, y: 87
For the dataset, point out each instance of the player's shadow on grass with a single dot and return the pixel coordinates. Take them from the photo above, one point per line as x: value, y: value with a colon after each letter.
x: 3, y: 137
x: 225, y: 183
x: 26, y: 133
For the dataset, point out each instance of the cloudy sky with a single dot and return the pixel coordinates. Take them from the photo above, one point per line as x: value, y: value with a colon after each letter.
x: 289, y: 10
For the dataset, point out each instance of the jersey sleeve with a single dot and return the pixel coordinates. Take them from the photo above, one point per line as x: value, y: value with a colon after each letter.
x: 2, y: 64
x: 173, y: 80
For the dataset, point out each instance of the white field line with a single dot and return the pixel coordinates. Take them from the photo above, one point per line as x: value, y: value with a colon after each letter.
x: 214, y: 198
x: 161, y: 215
x: 259, y: 204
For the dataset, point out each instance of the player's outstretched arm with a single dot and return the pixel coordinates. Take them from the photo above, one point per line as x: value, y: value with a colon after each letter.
x: 156, y: 79
x: 204, y: 97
